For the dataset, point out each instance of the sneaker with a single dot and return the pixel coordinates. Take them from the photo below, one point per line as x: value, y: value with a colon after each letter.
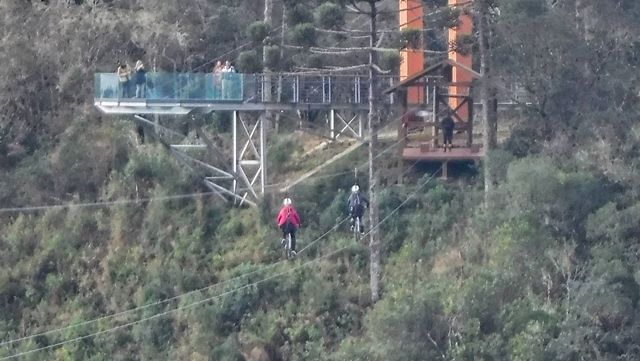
x: 292, y: 253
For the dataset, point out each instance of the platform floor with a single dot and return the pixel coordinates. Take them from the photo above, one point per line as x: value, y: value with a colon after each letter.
x: 439, y: 155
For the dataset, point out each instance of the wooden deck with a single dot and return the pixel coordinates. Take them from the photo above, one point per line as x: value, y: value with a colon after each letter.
x: 439, y: 155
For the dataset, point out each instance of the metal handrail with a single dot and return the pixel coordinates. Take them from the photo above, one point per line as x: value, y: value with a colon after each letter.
x: 234, y: 87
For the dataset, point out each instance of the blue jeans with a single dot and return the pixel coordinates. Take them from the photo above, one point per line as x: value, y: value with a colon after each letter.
x: 140, y: 90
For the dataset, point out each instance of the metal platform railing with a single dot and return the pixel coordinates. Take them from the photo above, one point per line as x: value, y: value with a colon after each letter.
x: 286, y: 88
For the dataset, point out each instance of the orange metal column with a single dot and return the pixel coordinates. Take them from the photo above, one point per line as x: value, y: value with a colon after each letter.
x: 412, y: 59
x: 465, y: 27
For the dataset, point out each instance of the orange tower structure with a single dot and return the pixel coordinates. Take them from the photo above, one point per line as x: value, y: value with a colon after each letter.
x: 412, y: 59
x: 460, y: 78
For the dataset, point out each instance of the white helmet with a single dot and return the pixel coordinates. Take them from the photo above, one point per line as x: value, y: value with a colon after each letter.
x: 287, y: 201
x: 355, y: 189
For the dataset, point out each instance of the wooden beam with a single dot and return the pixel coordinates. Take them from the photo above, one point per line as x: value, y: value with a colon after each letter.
x: 454, y: 111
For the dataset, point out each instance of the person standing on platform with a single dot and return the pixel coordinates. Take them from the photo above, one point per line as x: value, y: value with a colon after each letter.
x: 217, y: 79
x: 123, y: 72
x: 447, y: 124
x: 228, y: 81
x: 140, y: 79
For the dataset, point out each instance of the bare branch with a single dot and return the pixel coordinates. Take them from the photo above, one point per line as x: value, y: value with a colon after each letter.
x: 379, y: 70
x: 380, y: 40
x: 345, y: 32
x: 356, y: 10
x: 352, y: 50
x: 333, y: 69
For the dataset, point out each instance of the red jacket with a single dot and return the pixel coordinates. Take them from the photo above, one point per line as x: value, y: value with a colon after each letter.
x: 288, y: 211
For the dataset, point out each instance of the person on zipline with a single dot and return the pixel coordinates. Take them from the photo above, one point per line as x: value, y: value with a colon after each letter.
x: 288, y: 221
x: 356, y: 203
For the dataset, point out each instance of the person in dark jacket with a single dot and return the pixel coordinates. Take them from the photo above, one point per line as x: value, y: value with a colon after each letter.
x: 140, y: 79
x: 288, y: 221
x: 356, y: 203
x: 447, y: 124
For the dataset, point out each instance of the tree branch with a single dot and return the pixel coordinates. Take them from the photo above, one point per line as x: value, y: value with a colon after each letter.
x: 336, y: 69
x: 351, y: 50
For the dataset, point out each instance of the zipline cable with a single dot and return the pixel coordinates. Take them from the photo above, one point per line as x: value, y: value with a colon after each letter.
x: 161, y: 302
x: 212, y: 298
x: 187, y: 195
x: 105, y: 203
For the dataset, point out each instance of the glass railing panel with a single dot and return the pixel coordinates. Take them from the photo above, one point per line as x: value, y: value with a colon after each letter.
x: 173, y: 86
x: 106, y: 86
x: 234, y: 87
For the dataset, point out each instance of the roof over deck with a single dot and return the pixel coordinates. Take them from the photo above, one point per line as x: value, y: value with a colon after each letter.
x: 433, y: 73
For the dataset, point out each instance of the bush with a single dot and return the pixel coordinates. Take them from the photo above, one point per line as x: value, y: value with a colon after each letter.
x: 249, y: 62
x: 411, y: 38
x: 221, y: 121
x: 304, y: 35
x: 299, y: 13
x: 390, y: 60
x: 464, y: 44
x: 330, y: 16
x: 272, y: 56
x: 258, y: 31
x: 281, y: 151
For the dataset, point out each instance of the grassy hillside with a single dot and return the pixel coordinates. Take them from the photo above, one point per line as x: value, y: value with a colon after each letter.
x: 543, y: 268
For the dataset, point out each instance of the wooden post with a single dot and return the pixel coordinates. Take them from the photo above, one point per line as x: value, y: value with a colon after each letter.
x: 436, y: 107
x: 470, y: 123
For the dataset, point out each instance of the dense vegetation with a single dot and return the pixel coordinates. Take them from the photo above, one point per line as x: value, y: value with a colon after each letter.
x: 546, y: 269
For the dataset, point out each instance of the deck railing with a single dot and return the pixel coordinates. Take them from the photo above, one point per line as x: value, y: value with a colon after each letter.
x: 242, y: 88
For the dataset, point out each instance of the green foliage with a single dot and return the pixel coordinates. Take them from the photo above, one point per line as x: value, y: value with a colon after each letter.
x: 406, y: 325
x: 547, y: 270
x: 304, y: 35
x: 330, y: 16
x: 249, y: 62
x: 390, y: 60
x: 610, y: 224
x: 464, y: 44
x: 272, y: 57
x: 282, y: 151
x: 526, y: 8
x: 222, y: 121
x: 299, y: 14
x: 258, y: 32
x: 411, y: 38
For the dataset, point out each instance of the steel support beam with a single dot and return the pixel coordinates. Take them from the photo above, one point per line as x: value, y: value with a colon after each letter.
x: 241, y: 178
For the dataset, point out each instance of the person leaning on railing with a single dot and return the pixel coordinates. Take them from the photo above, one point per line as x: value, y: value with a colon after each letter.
x: 140, y: 79
x: 228, y: 86
x: 217, y: 79
x: 123, y: 71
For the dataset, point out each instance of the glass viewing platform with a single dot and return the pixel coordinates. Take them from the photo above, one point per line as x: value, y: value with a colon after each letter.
x: 173, y: 86
x: 180, y: 93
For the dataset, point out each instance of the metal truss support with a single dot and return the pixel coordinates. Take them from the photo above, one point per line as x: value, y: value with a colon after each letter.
x: 249, y: 154
x: 242, y: 178
x: 350, y: 124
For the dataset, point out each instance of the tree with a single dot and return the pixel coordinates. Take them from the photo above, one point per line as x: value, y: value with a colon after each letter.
x: 488, y: 91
